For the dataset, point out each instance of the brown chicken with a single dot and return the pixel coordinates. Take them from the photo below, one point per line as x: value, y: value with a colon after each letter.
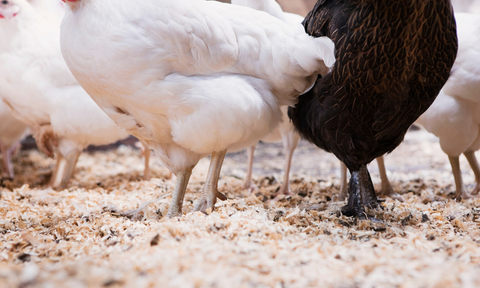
x: 392, y: 59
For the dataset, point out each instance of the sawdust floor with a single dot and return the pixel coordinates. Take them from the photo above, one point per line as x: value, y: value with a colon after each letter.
x: 80, y: 238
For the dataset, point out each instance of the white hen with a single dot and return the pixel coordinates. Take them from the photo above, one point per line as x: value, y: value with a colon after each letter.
x: 454, y: 116
x: 41, y: 91
x: 190, y: 77
x: 285, y: 132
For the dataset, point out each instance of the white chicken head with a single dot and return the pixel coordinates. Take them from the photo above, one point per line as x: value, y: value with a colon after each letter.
x: 8, y: 9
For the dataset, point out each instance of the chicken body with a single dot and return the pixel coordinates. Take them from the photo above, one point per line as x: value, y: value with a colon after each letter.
x: 454, y: 117
x: 190, y: 77
x: 393, y: 57
x: 42, y: 92
x: 285, y: 132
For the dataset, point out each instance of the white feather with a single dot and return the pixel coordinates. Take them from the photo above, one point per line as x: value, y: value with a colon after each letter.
x: 190, y: 77
x: 37, y: 84
x: 454, y: 117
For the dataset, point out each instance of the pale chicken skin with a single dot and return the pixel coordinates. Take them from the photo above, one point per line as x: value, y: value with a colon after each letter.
x: 190, y: 77
x: 40, y: 90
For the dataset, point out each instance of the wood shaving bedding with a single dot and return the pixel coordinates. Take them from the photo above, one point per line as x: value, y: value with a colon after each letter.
x: 83, y: 237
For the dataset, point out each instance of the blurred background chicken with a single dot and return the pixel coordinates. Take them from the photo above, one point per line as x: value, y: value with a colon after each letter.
x: 392, y: 59
x: 11, y: 132
x: 190, y: 78
x: 454, y: 116
x: 469, y: 6
x: 40, y: 90
x: 285, y: 132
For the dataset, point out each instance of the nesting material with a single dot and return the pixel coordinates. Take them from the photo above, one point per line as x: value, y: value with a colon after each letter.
x: 83, y: 237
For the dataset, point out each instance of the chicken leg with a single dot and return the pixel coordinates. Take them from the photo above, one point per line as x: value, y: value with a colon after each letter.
x: 457, y: 175
x: 248, y: 179
x: 64, y: 169
x: 386, y: 189
x: 7, y: 171
x: 209, y: 190
x: 361, y: 194
x: 343, y: 182
x: 290, y: 142
x: 179, y: 193
x: 146, y: 153
x: 472, y: 160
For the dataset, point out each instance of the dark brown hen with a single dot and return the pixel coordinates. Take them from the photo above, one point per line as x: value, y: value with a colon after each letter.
x: 393, y: 57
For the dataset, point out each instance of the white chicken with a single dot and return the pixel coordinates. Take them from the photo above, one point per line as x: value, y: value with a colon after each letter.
x: 40, y: 90
x: 285, y: 132
x: 454, y: 116
x: 468, y: 6
x: 11, y: 132
x: 190, y: 77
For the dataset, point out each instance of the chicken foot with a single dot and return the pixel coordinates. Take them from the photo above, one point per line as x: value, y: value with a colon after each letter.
x: 209, y: 190
x: 361, y: 194
x: 64, y: 169
x: 175, y: 208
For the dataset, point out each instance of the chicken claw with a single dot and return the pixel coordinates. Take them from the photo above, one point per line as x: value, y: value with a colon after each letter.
x: 209, y: 199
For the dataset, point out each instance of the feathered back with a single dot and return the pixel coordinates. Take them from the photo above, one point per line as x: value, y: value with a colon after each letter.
x: 392, y: 59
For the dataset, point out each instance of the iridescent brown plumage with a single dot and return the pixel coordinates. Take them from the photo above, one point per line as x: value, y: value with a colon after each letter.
x: 393, y: 57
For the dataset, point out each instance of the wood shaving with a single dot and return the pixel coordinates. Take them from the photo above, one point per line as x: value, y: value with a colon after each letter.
x: 80, y: 238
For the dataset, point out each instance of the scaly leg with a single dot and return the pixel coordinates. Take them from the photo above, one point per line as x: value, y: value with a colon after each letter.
x: 7, y: 171
x: 361, y: 194
x: 457, y: 175
x: 472, y: 160
x: 209, y: 190
x: 248, y: 179
x: 179, y: 193
x: 64, y: 169
x: 290, y: 142
x: 387, y: 189
x: 343, y: 182
x: 146, y: 153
